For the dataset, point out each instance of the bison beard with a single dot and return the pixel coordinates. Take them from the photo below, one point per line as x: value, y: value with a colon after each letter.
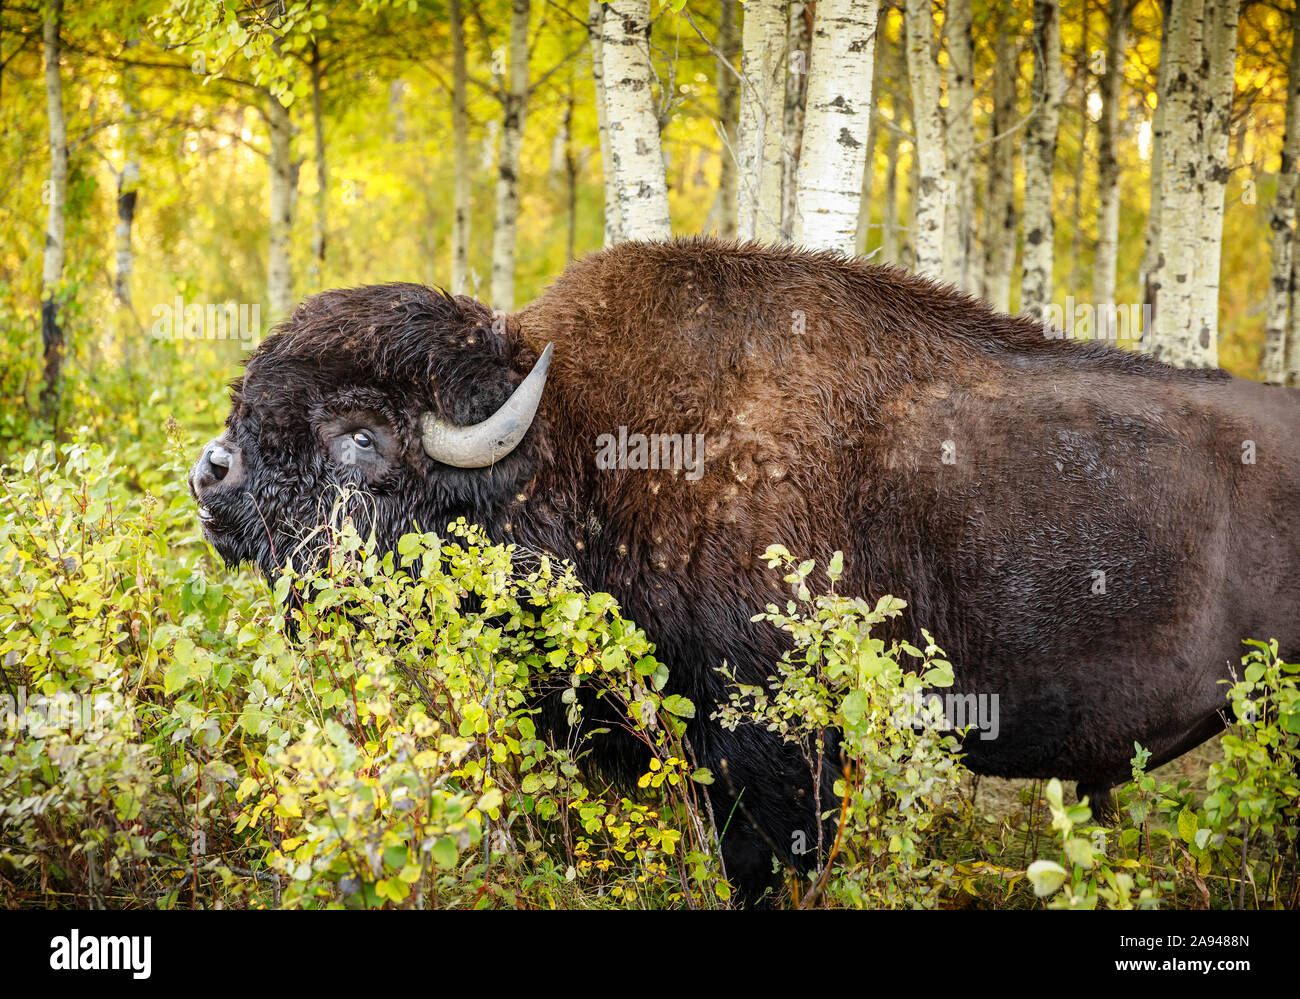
x: 1088, y: 533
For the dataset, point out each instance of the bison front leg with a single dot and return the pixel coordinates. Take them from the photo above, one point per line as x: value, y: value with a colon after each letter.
x: 767, y: 811
x: 1100, y: 800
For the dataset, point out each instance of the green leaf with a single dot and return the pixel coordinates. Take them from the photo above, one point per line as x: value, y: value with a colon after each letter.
x: 445, y: 853
x: 680, y: 706
x: 1187, y: 825
x: 1046, y: 876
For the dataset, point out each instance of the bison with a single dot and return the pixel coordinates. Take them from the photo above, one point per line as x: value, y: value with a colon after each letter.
x: 1089, y: 533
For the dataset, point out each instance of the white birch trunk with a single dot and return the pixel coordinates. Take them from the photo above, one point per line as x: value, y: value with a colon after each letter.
x: 1282, y: 224
x: 1219, y: 52
x: 56, y: 219
x: 1174, y: 338
x: 128, y: 184
x: 836, y: 123
x: 959, y: 219
x: 1108, y: 195
x: 762, y: 120
x: 728, y: 115
x: 1148, y: 276
x: 506, y: 217
x: 279, y: 273
x: 1040, y: 160
x: 999, y: 223
x: 635, y: 153
x: 460, y: 205
x: 929, y: 192
x: 799, y: 49
x: 595, y: 28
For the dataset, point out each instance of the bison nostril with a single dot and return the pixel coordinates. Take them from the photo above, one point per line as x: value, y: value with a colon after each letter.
x: 217, y: 464
x: 219, y: 460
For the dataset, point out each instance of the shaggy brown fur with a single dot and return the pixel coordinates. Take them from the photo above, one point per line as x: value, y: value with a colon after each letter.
x: 829, y: 393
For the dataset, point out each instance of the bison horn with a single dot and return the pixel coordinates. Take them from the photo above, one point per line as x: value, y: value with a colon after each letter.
x: 488, y: 442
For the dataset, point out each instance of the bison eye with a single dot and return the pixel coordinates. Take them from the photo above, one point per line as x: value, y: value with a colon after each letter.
x: 362, y: 439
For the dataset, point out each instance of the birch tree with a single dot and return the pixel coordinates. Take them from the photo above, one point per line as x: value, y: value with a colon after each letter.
x: 1147, y: 276
x: 505, y: 222
x: 1040, y: 160
x: 52, y: 338
x: 1219, y: 54
x: 595, y: 29
x: 959, y: 219
x: 1282, y: 225
x: 837, y: 119
x: 799, y: 48
x: 929, y: 193
x: 728, y: 111
x: 460, y: 203
x: 1202, y: 47
x: 1291, y: 352
x: 1179, y: 196
x: 128, y: 183
x: 762, y: 119
x: 284, y: 182
x: 636, y: 158
x: 1105, y: 258
x: 998, y: 232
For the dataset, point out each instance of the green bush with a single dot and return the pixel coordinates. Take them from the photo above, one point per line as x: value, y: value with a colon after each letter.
x: 367, y: 735
x: 385, y: 755
x: 897, y: 778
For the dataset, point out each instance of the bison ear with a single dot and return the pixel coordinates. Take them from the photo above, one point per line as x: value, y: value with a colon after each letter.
x: 486, y: 443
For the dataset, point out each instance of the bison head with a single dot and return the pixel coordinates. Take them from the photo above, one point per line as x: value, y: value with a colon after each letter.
x: 407, y: 406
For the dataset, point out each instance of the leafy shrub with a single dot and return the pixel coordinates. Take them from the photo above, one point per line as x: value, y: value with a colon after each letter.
x: 385, y: 754
x: 900, y: 769
x: 368, y: 735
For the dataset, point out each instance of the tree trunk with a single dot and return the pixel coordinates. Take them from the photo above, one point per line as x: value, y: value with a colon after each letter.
x: 506, y: 218
x: 570, y: 176
x: 1148, y: 276
x: 1220, y: 54
x: 837, y: 120
x: 52, y: 291
x: 929, y: 194
x: 1108, y: 196
x: 1282, y: 224
x: 799, y: 49
x: 762, y: 119
x: 636, y: 157
x: 595, y: 29
x: 889, y: 210
x: 279, y: 273
x: 999, y: 229
x: 1292, y: 352
x: 128, y: 183
x: 1040, y: 160
x: 728, y: 111
x: 1203, y: 36
x: 460, y: 204
x: 320, y: 223
x: 959, y: 220
x: 1076, y: 188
